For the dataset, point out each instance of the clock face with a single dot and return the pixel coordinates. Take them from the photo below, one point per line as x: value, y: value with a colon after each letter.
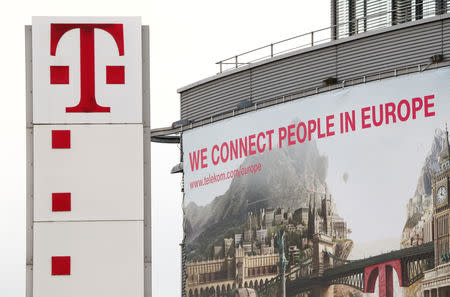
x: 441, y: 195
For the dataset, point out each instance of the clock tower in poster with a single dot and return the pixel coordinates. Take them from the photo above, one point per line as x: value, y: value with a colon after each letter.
x: 441, y: 205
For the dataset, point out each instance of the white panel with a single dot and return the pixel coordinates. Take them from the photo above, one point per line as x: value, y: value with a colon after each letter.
x: 50, y: 100
x: 103, y: 171
x: 106, y: 259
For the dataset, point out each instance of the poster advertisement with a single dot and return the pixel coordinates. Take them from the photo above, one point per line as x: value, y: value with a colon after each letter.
x: 341, y: 176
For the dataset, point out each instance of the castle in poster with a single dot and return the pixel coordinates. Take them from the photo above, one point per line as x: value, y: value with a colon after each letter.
x: 250, y: 258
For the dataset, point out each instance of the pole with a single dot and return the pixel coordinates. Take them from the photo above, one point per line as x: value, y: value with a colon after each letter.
x: 283, y: 262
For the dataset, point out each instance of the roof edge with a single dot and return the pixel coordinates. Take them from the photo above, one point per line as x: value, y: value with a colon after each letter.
x: 314, y: 48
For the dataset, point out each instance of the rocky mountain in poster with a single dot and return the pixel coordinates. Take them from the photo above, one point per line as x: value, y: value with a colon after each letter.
x: 287, y: 176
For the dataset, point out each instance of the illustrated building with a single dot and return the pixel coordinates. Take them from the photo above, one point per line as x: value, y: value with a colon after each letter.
x: 339, y: 227
x: 301, y: 215
x: 436, y: 281
x: 221, y: 276
x: 418, y: 204
x: 218, y: 251
x: 269, y: 217
x: 237, y: 239
x: 248, y: 235
x: 325, y: 219
x: 427, y: 231
x: 228, y: 242
x: 279, y: 216
x: 261, y: 235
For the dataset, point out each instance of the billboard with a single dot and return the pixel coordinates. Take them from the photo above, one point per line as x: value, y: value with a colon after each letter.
x: 353, y: 170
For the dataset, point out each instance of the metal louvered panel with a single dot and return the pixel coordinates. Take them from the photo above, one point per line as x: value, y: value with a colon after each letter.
x: 207, y: 99
x: 405, y: 45
x: 446, y: 37
x: 390, y: 50
x: 293, y: 74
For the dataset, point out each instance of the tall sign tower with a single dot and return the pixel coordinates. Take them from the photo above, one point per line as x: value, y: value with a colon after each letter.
x: 88, y: 134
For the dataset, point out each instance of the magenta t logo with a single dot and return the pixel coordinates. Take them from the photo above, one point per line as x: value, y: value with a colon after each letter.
x: 60, y: 74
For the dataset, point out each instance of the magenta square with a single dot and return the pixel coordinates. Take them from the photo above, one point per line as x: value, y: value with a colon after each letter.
x: 115, y: 75
x: 59, y: 75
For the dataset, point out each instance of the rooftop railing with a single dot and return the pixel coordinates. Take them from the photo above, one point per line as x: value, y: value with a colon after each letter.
x: 404, y: 12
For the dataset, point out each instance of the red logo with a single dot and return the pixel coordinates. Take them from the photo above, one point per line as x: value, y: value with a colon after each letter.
x: 60, y: 74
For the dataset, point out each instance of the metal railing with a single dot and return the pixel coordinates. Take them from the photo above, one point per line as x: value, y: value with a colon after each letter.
x: 401, y: 13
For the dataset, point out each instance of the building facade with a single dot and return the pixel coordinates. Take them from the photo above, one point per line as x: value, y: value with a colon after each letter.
x: 220, y: 276
x: 350, y: 17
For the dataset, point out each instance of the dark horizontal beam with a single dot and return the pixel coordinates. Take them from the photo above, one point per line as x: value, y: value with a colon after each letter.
x: 166, y: 139
x: 164, y: 131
